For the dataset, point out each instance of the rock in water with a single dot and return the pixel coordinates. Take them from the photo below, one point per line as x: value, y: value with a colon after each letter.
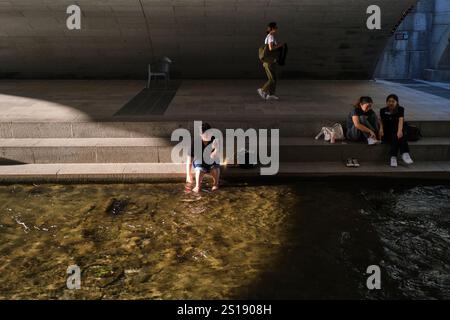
x: 116, y: 206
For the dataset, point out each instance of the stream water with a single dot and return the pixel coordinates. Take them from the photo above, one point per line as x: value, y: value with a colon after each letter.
x: 291, y: 239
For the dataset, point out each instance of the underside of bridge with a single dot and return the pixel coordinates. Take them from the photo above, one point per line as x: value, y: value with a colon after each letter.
x: 328, y: 39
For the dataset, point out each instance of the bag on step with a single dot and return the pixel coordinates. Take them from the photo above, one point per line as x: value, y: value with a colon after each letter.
x: 335, y: 132
x: 413, y: 133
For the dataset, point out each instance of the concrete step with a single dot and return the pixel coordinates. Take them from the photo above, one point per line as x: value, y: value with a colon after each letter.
x: 158, y: 150
x: 305, y: 150
x: 301, y: 127
x: 85, y: 150
x: 140, y: 172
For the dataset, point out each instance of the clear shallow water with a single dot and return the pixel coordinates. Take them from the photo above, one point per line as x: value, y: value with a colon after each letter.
x: 305, y: 239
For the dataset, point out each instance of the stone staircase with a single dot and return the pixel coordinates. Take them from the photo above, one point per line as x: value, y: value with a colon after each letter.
x: 131, y: 151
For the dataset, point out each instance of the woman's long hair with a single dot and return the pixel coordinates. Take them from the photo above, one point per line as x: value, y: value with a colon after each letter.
x: 395, y: 97
x: 362, y: 100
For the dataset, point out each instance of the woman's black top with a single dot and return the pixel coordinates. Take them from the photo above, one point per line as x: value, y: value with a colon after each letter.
x: 390, y: 119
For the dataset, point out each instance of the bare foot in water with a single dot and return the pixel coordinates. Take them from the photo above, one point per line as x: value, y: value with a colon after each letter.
x: 214, y: 188
x: 196, y: 189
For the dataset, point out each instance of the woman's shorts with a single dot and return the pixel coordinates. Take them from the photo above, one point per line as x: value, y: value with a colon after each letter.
x: 204, y: 167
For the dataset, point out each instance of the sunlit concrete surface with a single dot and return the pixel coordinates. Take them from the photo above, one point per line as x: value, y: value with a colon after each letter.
x: 205, y: 38
x: 60, y: 100
x: 95, y: 100
x: 71, y: 131
x: 132, y: 172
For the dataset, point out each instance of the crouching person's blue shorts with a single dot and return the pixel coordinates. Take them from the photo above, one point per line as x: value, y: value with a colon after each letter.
x: 204, y: 167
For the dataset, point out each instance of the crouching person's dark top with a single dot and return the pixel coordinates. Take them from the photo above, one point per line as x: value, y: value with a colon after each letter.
x: 370, y: 114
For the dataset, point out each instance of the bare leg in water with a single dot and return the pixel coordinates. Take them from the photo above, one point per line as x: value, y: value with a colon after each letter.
x: 189, y: 178
x: 215, y: 173
x: 198, y: 180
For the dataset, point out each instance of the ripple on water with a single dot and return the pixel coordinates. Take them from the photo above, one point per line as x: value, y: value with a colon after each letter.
x: 175, y: 244
x: 162, y: 242
x: 414, y: 227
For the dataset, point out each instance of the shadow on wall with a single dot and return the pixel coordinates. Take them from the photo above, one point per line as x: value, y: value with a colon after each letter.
x: 329, y: 40
x: 444, y: 63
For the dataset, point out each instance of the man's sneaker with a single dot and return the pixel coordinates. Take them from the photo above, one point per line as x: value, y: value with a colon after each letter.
x: 272, y: 97
x: 262, y: 94
x: 355, y: 163
x: 372, y: 141
x: 407, y: 158
x: 394, y: 162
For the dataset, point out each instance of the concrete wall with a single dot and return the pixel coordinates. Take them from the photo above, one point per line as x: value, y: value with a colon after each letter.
x: 205, y: 38
x: 427, y: 29
x: 440, y: 36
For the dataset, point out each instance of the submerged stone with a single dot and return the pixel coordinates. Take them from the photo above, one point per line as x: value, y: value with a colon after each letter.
x: 116, y: 206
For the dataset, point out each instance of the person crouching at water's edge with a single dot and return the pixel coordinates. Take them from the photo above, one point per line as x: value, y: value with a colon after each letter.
x: 363, y: 123
x: 267, y: 92
x: 197, y: 162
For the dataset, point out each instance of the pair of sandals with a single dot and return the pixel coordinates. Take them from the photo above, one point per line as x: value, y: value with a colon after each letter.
x: 352, y: 163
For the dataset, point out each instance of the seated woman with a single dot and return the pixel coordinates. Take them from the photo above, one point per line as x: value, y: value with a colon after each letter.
x: 363, y: 123
x: 200, y: 166
x: 392, y: 130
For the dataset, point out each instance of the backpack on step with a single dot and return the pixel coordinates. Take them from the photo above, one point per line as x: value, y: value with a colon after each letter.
x: 413, y: 133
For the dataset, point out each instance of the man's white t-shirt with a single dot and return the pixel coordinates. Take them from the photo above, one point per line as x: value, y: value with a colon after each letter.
x: 270, y: 39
